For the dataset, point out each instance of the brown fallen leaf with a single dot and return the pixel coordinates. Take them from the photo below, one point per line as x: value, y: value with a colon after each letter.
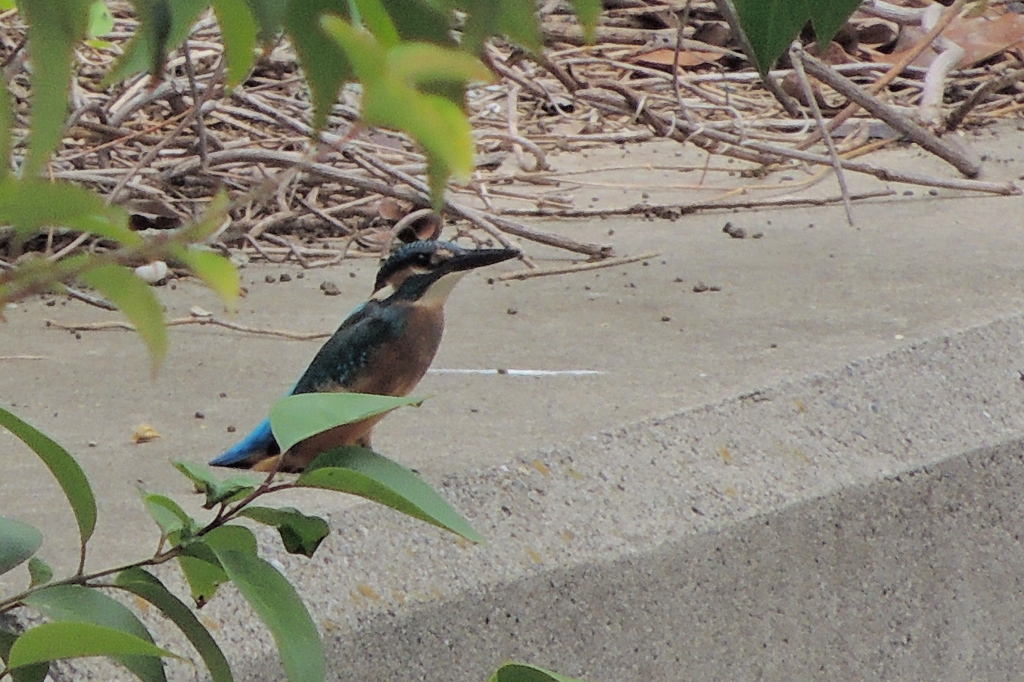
x: 662, y: 58
x: 390, y: 209
x: 981, y: 38
x: 986, y: 36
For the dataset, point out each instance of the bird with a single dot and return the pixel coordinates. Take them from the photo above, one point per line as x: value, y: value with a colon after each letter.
x: 383, y: 347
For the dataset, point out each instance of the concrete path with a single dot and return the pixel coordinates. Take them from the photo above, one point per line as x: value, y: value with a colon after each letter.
x: 811, y: 473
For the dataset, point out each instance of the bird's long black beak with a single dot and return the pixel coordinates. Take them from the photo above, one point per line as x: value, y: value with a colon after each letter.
x: 478, y: 258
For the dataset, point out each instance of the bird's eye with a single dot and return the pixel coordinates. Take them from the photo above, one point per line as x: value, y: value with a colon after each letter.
x: 423, y: 259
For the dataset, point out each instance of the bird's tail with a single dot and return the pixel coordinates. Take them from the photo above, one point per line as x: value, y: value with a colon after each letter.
x: 258, y: 445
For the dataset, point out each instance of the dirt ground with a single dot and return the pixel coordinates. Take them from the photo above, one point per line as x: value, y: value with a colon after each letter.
x: 810, y: 294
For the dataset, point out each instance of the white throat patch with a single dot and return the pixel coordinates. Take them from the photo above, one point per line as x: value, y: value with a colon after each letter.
x: 438, y: 292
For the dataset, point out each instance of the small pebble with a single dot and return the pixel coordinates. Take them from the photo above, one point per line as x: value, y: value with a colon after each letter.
x: 700, y: 287
x: 152, y: 272
x: 231, y: 429
x: 512, y: 311
x: 92, y: 444
x: 51, y: 303
x: 269, y: 279
x: 300, y: 275
x: 329, y: 288
x: 666, y: 318
x: 200, y: 415
x: 733, y: 231
x: 352, y: 275
x: 223, y: 395
x: 285, y: 277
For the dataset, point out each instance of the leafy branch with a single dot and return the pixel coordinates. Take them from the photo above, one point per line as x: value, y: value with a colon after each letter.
x: 211, y: 553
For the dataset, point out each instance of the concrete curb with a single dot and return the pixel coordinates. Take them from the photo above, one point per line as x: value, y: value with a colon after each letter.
x: 859, y: 524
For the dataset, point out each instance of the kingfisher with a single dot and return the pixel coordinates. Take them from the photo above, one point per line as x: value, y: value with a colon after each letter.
x: 383, y: 347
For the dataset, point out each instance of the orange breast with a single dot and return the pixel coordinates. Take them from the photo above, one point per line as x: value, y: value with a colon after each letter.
x: 394, y: 369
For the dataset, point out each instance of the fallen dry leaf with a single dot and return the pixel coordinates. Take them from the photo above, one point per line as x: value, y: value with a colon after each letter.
x: 981, y: 38
x: 390, y: 209
x: 662, y: 57
x: 144, y: 433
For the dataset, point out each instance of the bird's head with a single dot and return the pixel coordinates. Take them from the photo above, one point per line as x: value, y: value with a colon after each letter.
x: 427, y: 271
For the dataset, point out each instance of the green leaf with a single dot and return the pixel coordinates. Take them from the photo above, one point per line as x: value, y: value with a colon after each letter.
x: 365, y: 473
x: 378, y: 22
x: 29, y: 205
x: 297, y: 417
x: 54, y: 641
x: 29, y: 673
x: 770, y: 25
x: 515, y: 19
x: 101, y: 21
x: 64, y: 468
x: 87, y: 605
x: 268, y: 14
x: 215, y: 270
x: 522, y: 672
x: 136, y: 301
x: 39, y: 571
x: 216, y: 490
x: 301, y: 534
x: 828, y: 16
x: 363, y: 50
x: 147, y: 586
x: 163, y: 26
x: 277, y: 603
x: 416, y: 20
x: 52, y: 36
x: 18, y: 541
x: 588, y: 11
x: 200, y: 565
x: 238, y: 34
x: 234, y: 537
x: 202, y: 572
x: 175, y: 524
x: 418, y: 64
x: 398, y: 92
x: 325, y: 64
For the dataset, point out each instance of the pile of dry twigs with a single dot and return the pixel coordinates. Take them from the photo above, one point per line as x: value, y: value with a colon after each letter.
x: 658, y: 69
